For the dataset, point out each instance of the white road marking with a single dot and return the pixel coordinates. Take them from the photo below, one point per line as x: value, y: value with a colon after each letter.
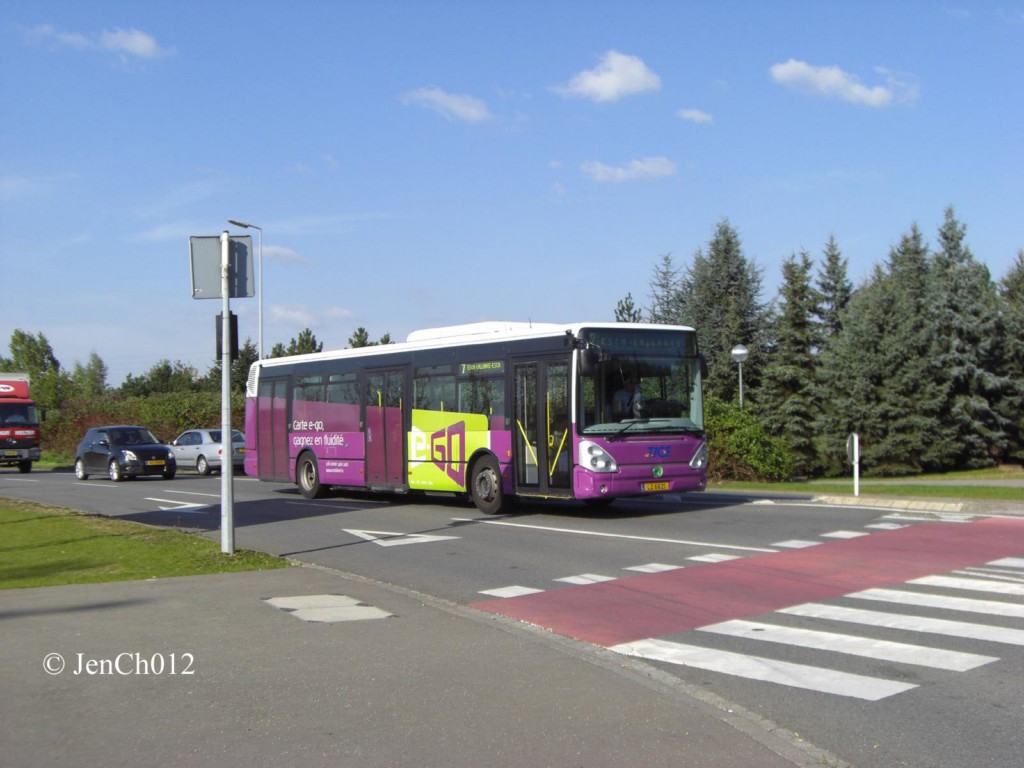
x: 768, y: 670
x: 714, y: 557
x: 708, y: 545
x: 845, y: 534
x: 513, y: 591
x: 393, y: 539
x: 796, y: 544
x: 851, y: 645
x: 974, y: 585
x: 1009, y: 562
x: 910, y: 623
x: 967, y: 604
x: 179, y: 506
x: 586, y: 578
x: 653, y: 568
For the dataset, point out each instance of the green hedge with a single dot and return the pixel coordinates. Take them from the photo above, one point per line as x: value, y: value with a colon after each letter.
x: 167, y: 415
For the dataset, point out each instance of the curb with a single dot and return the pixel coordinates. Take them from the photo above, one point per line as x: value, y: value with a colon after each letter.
x: 977, y: 508
x: 916, y: 505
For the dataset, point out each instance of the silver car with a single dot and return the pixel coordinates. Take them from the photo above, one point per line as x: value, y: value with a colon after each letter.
x: 202, y: 449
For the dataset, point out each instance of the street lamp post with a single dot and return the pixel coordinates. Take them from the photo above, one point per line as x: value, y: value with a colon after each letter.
x: 259, y: 298
x: 740, y: 354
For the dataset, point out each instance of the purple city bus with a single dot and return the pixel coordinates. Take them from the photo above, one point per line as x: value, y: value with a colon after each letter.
x: 492, y: 411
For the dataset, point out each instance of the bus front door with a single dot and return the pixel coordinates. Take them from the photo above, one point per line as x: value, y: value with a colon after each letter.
x: 385, y: 446
x: 541, y: 442
x: 272, y: 436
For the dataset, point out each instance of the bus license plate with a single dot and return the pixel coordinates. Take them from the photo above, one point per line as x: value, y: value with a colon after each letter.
x: 655, y: 486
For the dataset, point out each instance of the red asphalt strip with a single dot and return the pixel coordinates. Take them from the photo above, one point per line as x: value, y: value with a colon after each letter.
x: 661, y: 604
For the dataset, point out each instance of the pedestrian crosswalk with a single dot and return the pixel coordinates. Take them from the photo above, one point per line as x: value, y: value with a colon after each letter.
x: 862, y: 644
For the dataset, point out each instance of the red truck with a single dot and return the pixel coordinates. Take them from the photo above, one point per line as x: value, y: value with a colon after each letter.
x: 19, y: 423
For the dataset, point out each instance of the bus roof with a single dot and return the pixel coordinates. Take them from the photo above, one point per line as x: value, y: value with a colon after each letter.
x: 467, y: 334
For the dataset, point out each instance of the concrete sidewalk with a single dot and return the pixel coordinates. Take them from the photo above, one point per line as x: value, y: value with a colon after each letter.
x: 204, y: 671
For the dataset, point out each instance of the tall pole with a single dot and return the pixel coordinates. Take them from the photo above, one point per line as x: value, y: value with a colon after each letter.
x: 741, y: 385
x: 259, y: 299
x: 227, y: 502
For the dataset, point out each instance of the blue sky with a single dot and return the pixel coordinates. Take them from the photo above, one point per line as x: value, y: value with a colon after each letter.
x: 433, y: 163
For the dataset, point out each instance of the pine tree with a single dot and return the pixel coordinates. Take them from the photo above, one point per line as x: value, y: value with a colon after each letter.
x: 964, y: 302
x: 880, y: 373
x: 1010, y: 357
x: 627, y: 312
x: 666, y: 303
x: 789, y: 397
x: 835, y: 289
x: 720, y: 297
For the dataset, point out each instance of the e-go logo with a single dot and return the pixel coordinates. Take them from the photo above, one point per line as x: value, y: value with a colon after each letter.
x: 658, y: 452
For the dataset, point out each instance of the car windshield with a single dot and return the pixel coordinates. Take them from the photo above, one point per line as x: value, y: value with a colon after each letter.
x: 132, y: 436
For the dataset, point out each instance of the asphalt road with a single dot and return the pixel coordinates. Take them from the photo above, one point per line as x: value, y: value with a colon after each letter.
x: 887, y: 637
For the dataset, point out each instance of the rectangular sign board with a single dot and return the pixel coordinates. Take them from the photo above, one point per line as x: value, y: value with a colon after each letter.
x: 205, y: 258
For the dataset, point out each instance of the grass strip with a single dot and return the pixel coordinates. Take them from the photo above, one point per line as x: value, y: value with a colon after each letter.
x: 43, y: 546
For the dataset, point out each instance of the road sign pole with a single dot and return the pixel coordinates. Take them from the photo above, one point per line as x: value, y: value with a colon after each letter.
x: 853, y: 453
x: 227, y: 501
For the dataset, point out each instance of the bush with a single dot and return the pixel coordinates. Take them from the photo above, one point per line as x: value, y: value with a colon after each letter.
x: 167, y: 415
x: 740, y: 449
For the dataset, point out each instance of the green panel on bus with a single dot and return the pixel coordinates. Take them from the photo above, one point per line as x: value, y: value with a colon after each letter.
x: 439, y: 445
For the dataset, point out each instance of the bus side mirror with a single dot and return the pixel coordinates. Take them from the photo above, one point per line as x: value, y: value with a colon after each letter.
x: 589, y: 359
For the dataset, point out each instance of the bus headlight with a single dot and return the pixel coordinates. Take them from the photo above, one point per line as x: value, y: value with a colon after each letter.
x: 595, y: 458
x: 700, y: 458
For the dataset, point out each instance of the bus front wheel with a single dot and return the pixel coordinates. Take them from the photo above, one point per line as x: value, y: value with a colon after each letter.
x: 485, y: 486
x: 307, y: 474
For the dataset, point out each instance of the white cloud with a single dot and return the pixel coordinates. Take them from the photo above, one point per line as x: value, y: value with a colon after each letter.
x: 616, y: 76
x: 644, y: 168
x: 695, y: 116
x: 834, y: 83
x: 297, y: 316
x: 126, y: 42
x: 452, y: 106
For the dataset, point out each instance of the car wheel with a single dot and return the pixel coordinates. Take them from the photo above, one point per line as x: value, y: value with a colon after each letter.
x: 485, y: 486
x: 115, y: 472
x: 203, y: 466
x: 308, y: 476
x: 80, y: 472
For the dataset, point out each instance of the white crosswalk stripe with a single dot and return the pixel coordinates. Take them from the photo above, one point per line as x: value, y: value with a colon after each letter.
x: 1000, y: 577
x: 924, y: 624
x: 852, y: 645
x: 767, y: 670
x: 948, y: 602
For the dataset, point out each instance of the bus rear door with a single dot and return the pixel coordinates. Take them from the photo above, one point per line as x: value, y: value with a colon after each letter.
x: 385, y: 443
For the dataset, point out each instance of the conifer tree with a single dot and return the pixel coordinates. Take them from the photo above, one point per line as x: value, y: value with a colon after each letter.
x: 1010, y: 357
x: 964, y: 302
x: 627, y: 312
x: 720, y: 297
x: 834, y: 287
x: 789, y: 397
x: 666, y: 285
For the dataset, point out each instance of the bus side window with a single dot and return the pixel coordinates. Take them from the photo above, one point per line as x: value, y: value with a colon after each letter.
x: 434, y: 388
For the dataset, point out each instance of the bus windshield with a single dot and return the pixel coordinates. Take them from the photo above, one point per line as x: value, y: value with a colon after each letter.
x: 640, y: 382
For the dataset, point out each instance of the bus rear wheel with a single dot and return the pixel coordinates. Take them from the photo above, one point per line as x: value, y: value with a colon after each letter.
x: 307, y: 474
x: 485, y: 486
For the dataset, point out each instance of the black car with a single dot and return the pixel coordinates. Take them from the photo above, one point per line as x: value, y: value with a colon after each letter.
x: 123, y: 452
